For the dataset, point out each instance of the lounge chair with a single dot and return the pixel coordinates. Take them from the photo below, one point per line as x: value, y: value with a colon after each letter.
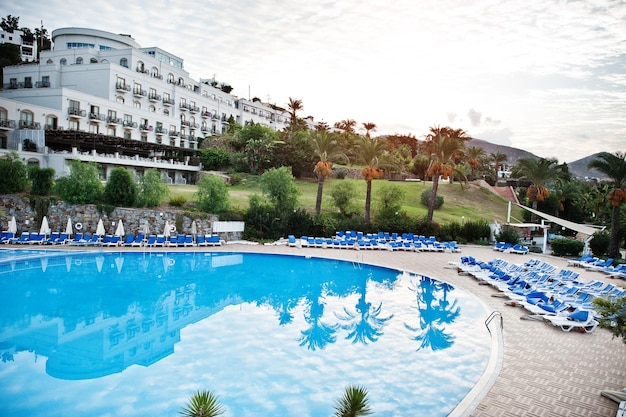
x: 151, y: 241
x: 128, y: 240
x: 53, y: 237
x: 189, y: 241
x: 519, y: 249
x: 213, y: 240
x: 139, y: 240
x: 113, y: 241
x: 200, y: 240
x: 24, y: 237
x: 161, y: 240
x: 6, y: 236
x: 580, y: 320
x: 291, y: 241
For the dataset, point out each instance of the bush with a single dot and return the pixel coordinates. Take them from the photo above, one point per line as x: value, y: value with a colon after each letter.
x: 508, y: 235
x: 600, y: 243
x: 152, y: 189
x: 120, y: 189
x: 340, y: 173
x: 215, y: 159
x: 212, y: 194
x: 475, y: 231
x: 42, y: 180
x: 82, y: 186
x: 343, y: 195
x: 13, y: 173
x: 178, y: 201
x: 390, y: 198
x: 279, y: 187
x: 425, y: 197
x: 566, y: 247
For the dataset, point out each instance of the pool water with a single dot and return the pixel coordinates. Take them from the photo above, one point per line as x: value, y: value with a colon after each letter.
x: 130, y: 334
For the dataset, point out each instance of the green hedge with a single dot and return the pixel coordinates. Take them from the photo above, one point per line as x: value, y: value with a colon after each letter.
x: 567, y: 247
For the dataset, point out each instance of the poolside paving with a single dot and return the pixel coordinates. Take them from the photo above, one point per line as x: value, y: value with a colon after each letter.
x: 545, y: 372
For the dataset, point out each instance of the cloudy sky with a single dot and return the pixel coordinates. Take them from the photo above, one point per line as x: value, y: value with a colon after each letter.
x: 546, y: 76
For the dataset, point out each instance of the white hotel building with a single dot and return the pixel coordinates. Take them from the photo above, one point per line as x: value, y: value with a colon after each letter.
x: 101, y: 97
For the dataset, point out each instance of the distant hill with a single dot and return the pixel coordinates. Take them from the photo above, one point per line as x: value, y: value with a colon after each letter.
x: 579, y: 169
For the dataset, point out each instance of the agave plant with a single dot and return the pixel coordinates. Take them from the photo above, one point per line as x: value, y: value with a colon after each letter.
x: 203, y: 404
x: 353, y: 403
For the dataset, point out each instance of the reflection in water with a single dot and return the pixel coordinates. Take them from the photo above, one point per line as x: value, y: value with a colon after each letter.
x: 184, y: 317
x: 434, y: 314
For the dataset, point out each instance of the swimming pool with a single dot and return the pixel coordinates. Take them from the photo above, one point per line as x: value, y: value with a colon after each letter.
x: 114, y: 333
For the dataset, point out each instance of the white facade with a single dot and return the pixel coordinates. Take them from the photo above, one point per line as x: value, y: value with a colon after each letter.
x: 28, y: 49
x: 103, y: 86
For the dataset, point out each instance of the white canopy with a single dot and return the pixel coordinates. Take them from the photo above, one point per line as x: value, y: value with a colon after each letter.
x: 577, y: 227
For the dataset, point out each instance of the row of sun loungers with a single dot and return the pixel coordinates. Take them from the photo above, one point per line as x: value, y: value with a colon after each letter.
x: 548, y: 294
x: 386, y: 241
x: 592, y: 263
x: 511, y: 248
x: 140, y: 240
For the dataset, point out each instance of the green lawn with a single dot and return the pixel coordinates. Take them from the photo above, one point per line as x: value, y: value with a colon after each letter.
x: 471, y: 202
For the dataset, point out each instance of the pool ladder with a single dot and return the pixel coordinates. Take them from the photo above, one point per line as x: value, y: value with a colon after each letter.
x: 492, y: 316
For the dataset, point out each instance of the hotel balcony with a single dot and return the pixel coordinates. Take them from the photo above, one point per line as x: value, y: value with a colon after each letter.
x: 174, y: 133
x: 129, y: 124
x: 205, y: 129
x: 42, y: 84
x: 168, y: 102
x: 184, y: 106
x: 154, y: 97
x: 97, y: 117
x: 194, y: 109
x: 74, y: 112
x: 145, y: 128
x: 114, y: 120
x: 160, y: 130
x: 122, y: 88
x: 138, y: 92
x: 7, y: 124
x: 205, y: 114
x: 24, y: 124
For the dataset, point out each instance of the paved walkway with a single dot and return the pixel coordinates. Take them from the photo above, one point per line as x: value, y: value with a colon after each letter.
x: 545, y: 371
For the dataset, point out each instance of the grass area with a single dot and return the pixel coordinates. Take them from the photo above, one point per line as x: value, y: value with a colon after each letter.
x: 471, y: 202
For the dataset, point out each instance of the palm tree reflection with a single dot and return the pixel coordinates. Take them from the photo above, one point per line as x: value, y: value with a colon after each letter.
x: 434, y: 314
x: 319, y: 334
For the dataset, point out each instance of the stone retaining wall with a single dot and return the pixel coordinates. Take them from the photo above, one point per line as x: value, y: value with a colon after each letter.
x: 88, y: 215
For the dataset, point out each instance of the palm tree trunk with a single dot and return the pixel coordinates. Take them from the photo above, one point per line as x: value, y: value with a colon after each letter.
x: 433, y: 198
x: 614, y: 239
x: 368, y: 200
x: 320, y: 190
x: 533, y: 216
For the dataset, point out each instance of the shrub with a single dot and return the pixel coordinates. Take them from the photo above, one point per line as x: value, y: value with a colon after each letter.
x: 612, y: 313
x: 566, y: 247
x: 212, y: 194
x: 390, y: 199
x: 120, y: 189
x: 82, y: 186
x: 279, y: 187
x: 215, y: 159
x: 343, y: 194
x: 178, y: 201
x: 340, y: 173
x: 13, y: 173
x: 425, y: 197
x: 508, y: 235
x: 152, y: 189
x: 475, y: 231
x: 600, y: 243
x: 42, y: 180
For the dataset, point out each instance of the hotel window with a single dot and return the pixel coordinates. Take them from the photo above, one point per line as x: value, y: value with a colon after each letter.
x: 112, y: 114
x: 170, y: 78
x: 26, y: 119
x: 137, y: 104
x: 74, y: 106
x: 63, y: 61
x: 166, y: 112
x: 51, y: 122
x: 93, y: 61
x: 72, y: 125
x: 45, y: 81
x: 3, y: 115
x: 111, y: 131
x: 127, y: 134
x: 152, y: 108
x: 144, y: 138
x: 94, y: 110
x: 79, y: 60
x: 128, y: 118
x: 120, y: 99
x: 166, y: 97
x: 124, y: 62
x: 94, y: 128
x: 183, y: 102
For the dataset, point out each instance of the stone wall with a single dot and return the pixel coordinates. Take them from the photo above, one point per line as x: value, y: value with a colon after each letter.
x: 88, y: 215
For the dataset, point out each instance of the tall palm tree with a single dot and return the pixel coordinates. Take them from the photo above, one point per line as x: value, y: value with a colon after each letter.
x: 540, y: 172
x: 203, y: 404
x: 347, y: 125
x: 498, y: 159
x: 443, y: 145
x: 353, y: 403
x: 369, y: 127
x: 371, y: 153
x: 614, y: 167
x: 294, y: 106
x: 474, y: 155
x: 327, y: 150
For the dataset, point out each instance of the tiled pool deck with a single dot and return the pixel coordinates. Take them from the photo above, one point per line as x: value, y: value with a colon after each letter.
x: 545, y: 371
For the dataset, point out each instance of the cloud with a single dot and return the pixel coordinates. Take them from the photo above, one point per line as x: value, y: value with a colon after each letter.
x: 475, y: 117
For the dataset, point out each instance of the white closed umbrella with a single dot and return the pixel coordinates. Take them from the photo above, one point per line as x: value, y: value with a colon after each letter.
x: 12, y: 225
x: 100, y: 231
x: 166, y: 230
x: 45, y: 227
x: 120, y: 229
x: 68, y: 228
x: 146, y: 228
x: 194, y: 228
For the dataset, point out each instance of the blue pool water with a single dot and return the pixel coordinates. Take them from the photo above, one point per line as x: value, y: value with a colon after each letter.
x: 135, y: 334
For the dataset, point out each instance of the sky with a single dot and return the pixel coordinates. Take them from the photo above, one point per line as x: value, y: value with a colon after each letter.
x: 546, y: 76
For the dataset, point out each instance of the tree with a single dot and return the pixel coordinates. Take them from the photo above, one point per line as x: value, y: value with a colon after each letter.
x: 42, y: 180
x: 212, y: 194
x: 474, y: 155
x: 203, y: 404
x: 10, y: 23
x: 82, y: 186
x: 120, y: 189
x: 539, y: 172
x: 369, y: 127
x: 342, y: 194
x: 279, y: 186
x: 354, y: 402
x: 14, y: 174
x: 327, y: 151
x: 347, y: 126
x: 614, y: 167
x: 371, y: 153
x: 214, y: 158
x: 294, y: 106
x: 390, y: 198
x: 152, y: 189
x: 498, y: 159
x: 443, y: 145
x: 612, y: 313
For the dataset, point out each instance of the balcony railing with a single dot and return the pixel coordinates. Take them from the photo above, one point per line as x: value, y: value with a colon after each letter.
x: 205, y: 129
x: 138, y: 92
x: 129, y: 123
x: 25, y: 124
x: 184, y: 106
x: 123, y: 88
x: 160, y: 130
x: 168, y: 102
x: 142, y: 70
x: 154, y: 97
x: 174, y: 133
x: 114, y: 120
x: 97, y: 117
x: 145, y: 128
x: 159, y: 76
x: 72, y: 111
x: 205, y: 114
x: 194, y: 109
x: 42, y: 84
x: 7, y: 124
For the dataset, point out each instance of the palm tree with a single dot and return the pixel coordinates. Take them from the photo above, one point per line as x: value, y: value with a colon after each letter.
x: 474, y: 155
x: 614, y: 167
x: 327, y: 151
x: 498, y: 159
x: 443, y: 145
x: 294, y: 106
x: 371, y: 153
x: 539, y: 172
x: 347, y: 125
x: 369, y: 127
x: 353, y: 403
x: 203, y: 404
